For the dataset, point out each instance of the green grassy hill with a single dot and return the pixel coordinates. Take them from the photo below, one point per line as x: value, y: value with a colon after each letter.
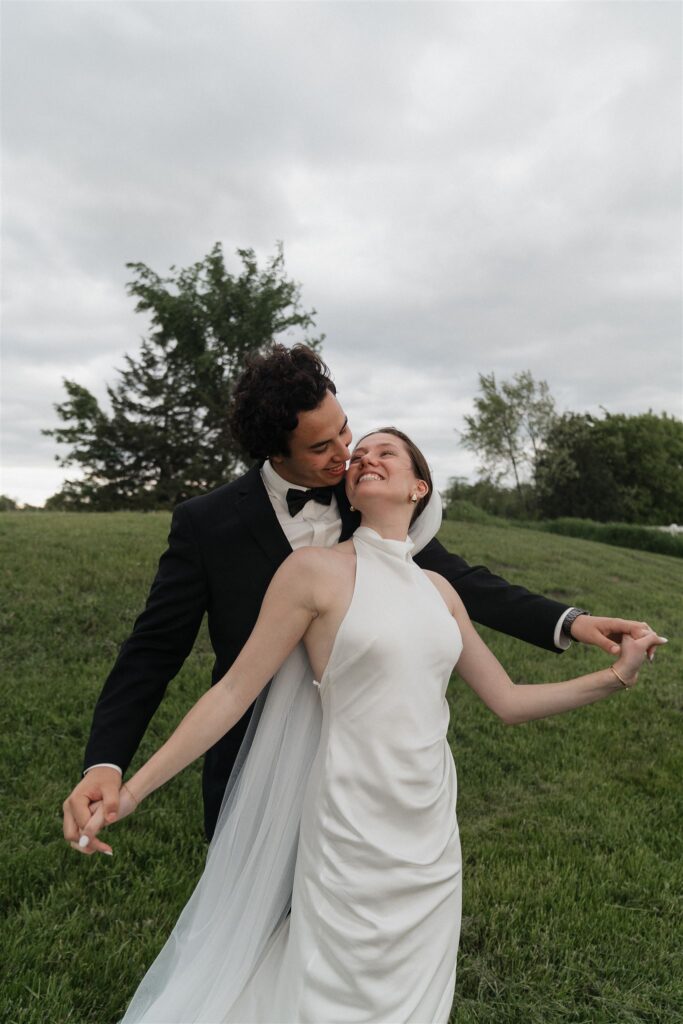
x: 571, y: 827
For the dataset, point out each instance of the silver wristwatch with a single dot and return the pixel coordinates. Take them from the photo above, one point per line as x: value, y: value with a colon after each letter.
x: 572, y: 614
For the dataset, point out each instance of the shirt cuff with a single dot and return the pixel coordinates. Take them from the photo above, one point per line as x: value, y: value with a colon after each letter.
x: 104, y: 764
x: 559, y: 639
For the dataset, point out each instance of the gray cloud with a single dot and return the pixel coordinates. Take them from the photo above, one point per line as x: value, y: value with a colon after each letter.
x: 461, y: 187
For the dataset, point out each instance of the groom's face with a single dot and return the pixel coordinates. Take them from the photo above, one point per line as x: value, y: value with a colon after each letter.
x: 318, y: 448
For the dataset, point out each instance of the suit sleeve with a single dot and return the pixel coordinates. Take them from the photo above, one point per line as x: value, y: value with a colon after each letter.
x: 492, y: 601
x: 162, y: 637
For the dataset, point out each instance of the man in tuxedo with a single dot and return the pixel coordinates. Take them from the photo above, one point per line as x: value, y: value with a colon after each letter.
x: 224, y: 548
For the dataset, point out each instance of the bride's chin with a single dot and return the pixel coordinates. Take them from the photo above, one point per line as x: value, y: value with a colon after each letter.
x: 372, y: 504
x: 362, y: 507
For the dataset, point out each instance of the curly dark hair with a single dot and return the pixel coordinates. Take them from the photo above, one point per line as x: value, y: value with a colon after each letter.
x: 270, y: 394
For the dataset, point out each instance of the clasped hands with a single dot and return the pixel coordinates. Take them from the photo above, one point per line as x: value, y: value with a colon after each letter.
x: 99, y: 799
x: 606, y: 633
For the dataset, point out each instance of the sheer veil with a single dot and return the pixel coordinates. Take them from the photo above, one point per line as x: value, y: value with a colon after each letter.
x: 245, y: 890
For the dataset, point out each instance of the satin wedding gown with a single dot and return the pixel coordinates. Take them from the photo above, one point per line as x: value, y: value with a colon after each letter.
x: 375, y: 912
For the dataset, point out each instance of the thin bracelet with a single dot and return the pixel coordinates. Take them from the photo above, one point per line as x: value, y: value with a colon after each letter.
x: 627, y: 686
x: 137, y: 802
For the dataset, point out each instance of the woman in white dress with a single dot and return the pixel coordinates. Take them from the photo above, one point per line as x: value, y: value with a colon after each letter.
x: 339, y: 900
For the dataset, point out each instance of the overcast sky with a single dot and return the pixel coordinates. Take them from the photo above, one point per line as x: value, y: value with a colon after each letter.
x: 460, y: 188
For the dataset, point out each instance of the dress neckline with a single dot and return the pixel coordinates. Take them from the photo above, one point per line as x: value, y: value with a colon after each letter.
x: 399, y: 549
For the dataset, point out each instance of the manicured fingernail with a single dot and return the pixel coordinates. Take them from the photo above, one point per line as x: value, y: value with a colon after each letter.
x: 651, y: 657
x: 662, y: 639
x: 108, y: 853
x: 83, y: 842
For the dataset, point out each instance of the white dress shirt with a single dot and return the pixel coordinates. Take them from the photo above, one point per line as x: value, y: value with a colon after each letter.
x: 315, y: 525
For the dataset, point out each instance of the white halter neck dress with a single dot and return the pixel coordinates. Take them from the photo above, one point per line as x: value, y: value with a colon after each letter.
x: 375, y: 916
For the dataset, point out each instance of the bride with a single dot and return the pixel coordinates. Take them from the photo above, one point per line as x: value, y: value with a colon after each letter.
x: 332, y: 889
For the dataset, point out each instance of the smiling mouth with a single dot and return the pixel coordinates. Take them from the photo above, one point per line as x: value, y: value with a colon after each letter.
x: 368, y: 476
x: 337, y: 469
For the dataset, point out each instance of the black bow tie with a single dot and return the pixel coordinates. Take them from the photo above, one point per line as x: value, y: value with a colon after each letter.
x: 297, y: 499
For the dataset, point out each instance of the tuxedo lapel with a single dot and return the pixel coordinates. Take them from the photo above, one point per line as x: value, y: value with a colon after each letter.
x: 350, y: 520
x: 257, y: 514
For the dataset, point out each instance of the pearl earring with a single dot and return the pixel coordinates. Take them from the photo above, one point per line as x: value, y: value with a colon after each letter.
x: 413, y: 498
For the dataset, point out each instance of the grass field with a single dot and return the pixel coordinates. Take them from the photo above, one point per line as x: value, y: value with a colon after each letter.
x: 571, y: 827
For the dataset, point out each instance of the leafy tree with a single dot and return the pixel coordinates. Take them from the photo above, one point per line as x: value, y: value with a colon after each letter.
x: 617, y: 468
x: 509, y: 427
x: 167, y: 437
x: 7, y: 504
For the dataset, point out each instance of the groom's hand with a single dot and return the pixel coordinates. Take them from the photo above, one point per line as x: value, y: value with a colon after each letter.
x: 98, y: 785
x: 604, y: 632
x: 87, y: 840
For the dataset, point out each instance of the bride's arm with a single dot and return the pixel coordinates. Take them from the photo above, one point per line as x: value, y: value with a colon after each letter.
x: 521, y: 703
x: 289, y: 606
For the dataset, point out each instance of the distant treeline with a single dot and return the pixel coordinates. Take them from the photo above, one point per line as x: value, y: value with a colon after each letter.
x: 610, y: 468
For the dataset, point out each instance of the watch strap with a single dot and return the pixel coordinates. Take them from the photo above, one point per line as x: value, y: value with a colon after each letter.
x: 569, y: 618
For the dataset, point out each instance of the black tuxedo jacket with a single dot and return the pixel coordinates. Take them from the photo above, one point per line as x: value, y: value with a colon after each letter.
x: 224, y: 548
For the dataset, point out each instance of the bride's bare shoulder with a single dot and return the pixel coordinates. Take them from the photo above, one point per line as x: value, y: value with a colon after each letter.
x: 321, y: 561
x: 321, y: 575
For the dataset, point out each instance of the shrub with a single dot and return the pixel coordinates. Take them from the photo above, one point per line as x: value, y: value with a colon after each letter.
x: 467, y: 512
x: 624, y: 535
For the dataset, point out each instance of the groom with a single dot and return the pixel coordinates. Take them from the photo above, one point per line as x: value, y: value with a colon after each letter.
x: 223, y: 550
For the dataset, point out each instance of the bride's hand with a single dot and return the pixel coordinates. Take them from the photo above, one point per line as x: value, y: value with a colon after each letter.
x: 633, y: 654
x: 127, y: 804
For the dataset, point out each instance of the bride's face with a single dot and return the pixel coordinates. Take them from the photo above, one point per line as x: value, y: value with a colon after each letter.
x: 381, y: 466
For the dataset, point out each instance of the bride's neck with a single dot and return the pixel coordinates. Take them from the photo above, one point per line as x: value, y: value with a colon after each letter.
x: 389, y: 527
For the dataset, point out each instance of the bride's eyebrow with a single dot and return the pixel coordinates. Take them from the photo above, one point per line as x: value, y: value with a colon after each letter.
x: 361, y: 448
